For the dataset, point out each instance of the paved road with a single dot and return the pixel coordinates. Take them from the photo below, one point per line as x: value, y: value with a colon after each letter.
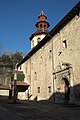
x: 44, y: 110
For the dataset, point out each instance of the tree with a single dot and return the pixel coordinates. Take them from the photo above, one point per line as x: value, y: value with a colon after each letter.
x: 16, y: 58
x: 20, y: 77
x: 7, y: 64
x: 5, y: 60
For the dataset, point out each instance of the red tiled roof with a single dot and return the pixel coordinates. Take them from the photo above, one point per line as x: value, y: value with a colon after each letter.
x: 4, y: 87
x: 20, y: 83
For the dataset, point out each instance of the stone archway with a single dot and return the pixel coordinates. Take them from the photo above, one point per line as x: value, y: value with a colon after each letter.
x: 67, y: 89
x: 62, y: 82
x: 62, y: 89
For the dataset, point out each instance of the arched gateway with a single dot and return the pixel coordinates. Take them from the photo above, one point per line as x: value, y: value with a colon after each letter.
x: 62, y: 83
x: 66, y: 89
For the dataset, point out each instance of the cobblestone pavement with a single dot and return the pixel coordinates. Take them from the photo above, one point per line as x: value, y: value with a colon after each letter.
x: 44, y: 110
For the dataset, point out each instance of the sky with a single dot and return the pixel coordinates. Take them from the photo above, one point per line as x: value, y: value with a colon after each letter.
x: 18, y: 18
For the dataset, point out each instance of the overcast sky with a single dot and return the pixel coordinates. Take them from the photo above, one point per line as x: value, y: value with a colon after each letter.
x: 18, y: 18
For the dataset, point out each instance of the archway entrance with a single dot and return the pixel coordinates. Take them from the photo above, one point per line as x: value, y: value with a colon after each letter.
x: 62, y: 82
x: 67, y: 90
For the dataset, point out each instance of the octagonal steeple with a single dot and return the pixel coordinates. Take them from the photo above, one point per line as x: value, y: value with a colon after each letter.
x: 41, y: 30
x: 42, y: 24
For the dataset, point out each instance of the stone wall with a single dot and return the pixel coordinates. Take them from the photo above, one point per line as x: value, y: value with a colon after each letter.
x: 63, y: 48
x: 4, y: 92
x: 41, y: 73
x: 66, y: 49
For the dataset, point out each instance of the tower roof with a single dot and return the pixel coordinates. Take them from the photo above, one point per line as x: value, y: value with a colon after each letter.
x: 42, y: 14
x: 41, y: 26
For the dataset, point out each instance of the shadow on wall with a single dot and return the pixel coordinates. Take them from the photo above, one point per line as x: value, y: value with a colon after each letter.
x: 71, y: 96
x: 76, y: 89
x: 35, y: 99
x: 58, y: 97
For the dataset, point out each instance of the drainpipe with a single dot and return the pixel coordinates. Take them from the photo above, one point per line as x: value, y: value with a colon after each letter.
x: 52, y: 67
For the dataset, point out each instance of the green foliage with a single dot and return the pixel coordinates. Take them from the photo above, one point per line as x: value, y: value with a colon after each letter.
x: 16, y: 58
x: 20, y: 77
x: 7, y: 64
x: 11, y: 60
x: 10, y: 76
x: 5, y: 60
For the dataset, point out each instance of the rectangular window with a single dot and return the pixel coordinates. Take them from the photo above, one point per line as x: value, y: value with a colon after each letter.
x: 49, y: 88
x: 65, y: 44
x: 38, y: 89
x: 26, y: 69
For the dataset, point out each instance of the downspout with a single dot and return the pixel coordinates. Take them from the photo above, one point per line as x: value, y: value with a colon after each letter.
x: 52, y: 70
x: 52, y: 67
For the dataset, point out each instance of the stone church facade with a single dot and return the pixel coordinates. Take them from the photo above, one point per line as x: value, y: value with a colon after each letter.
x: 52, y: 67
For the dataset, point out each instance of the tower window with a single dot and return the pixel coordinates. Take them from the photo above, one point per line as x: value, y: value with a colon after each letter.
x: 38, y: 89
x: 65, y: 44
x: 44, y: 26
x: 38, y: 40
x: 40, y: 25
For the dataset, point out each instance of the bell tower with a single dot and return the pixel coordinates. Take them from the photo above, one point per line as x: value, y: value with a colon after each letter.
x: 41, y: 30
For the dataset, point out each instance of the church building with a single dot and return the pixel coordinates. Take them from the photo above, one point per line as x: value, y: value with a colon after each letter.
x: 52, y: 67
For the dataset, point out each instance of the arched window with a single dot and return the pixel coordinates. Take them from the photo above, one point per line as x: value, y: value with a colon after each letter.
x: 44, y: 26
x: 40, y: 25
x: 38, y: 40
